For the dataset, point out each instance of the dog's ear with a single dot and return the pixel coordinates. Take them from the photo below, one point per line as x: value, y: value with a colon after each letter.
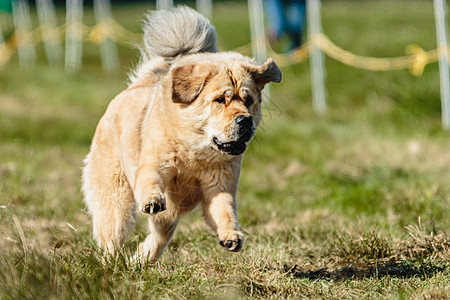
x: 187, y: 82
x: 266, y: 73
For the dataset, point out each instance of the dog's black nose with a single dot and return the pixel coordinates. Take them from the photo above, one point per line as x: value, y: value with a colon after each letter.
x: 246, y: 123
x: 246, y: 128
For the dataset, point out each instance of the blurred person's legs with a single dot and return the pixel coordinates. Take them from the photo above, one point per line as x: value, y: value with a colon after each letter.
x: 277, y: 20
x: 286, y: 17
x: 296, y: 17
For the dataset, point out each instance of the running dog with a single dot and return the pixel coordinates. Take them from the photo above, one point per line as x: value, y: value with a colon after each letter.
x: 175, y: 138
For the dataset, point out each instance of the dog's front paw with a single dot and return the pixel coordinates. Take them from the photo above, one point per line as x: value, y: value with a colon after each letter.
x: 154, y: 204
x: 231, y: 240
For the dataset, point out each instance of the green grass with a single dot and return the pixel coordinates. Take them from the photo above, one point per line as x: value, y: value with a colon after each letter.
x: 354, y: 204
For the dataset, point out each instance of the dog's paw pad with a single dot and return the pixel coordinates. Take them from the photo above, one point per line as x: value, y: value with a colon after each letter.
x: 233, y: 242
x: 156, y: 204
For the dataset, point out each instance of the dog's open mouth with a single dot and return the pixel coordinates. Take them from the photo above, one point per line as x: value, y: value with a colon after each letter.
x: 232, y: 148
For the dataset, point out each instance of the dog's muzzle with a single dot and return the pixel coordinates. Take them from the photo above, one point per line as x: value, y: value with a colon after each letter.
x: 245, y: 131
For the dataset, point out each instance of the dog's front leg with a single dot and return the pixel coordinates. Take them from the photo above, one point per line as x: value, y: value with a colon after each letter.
x: 220, y: 211
x: 151, y: 181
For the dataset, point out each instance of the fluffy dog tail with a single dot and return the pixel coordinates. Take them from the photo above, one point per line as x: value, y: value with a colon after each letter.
x: 176, y: 32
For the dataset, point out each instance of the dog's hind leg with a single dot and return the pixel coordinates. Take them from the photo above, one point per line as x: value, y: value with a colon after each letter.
x: 110, y: 200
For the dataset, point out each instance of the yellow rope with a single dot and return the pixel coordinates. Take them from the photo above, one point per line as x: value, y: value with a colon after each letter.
x: 100, y: 33
x: 416, y: 59
x: 50, y: 33
x: 6, y: 52
x: 109, y: 28
x: 123, y: 36
x: 416, y: 62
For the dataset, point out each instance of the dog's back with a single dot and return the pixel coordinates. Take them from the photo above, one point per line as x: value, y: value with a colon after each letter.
x: 169, y: 34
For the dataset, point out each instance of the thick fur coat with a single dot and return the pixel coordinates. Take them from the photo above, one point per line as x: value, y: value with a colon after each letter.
x: 175, y: 137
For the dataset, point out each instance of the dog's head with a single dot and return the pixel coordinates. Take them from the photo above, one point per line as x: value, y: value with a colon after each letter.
x: 221, y: 98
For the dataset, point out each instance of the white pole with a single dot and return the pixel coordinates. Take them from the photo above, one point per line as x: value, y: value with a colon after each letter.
x: 205, y: 7
x: 52, y: 43
x: 164, y: 4
x: 440, y: 12
x: 258, y: 37
x: 255, y: 11
x: 22, y: 24
x: 108, y: 50
x: 74, y: 35
x: 317, y: 64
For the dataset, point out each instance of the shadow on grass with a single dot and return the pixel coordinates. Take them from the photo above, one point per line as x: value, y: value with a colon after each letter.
x: 398, y: 269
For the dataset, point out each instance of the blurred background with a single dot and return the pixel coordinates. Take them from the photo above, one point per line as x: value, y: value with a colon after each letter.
x: 361, y: 177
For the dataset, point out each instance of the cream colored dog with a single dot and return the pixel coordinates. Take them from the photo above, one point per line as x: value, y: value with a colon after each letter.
x: 175, y: 137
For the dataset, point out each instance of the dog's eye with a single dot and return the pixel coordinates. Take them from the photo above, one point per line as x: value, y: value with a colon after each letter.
x: 248, y: 101
x: 220, y: 100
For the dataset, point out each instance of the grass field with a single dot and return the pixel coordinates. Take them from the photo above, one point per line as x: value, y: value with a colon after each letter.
x: 354, y: 204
